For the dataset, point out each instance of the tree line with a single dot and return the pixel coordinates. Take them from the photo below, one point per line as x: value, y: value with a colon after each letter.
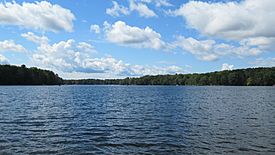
x: 20, y: 75
x: 239, y: 77
x: 15, y: 75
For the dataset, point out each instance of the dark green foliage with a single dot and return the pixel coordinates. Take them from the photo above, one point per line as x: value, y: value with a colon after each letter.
x: 239, y: 77
x: 14, y: 75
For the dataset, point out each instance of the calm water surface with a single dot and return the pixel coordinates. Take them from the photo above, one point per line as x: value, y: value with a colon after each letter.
x: 137, y: 120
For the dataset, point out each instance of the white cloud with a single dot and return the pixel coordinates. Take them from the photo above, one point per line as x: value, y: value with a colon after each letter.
x: 262, y: 43
x: 201, y: 49
x: 86, y: 47
x: 210, y: 50
x: 139, y: 70
x: 34, y: 38
x: 39, y: 15
x: 73, y: 57
x: 66, y: 56
x: 142, y: 9
x: 264, y: 62
x: 130, y: 70
x: 117, y: 9
x: 206, y: 50
x: 248, y: 18
x: 226, y: 66
x: 126, y: 35
x: 95, y: 28
x: 106, y: 26
x: 3, y: 60
x: 249, y: 21
x: 10, y: 45
x: 158, y: 3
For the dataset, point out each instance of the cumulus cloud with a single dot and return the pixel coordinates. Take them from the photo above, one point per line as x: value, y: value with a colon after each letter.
x: 248, y: 18
x: 34, y: 38
x: 158, y: 3
x: 10, y: 45
x: 264, y: 62
x: 250, y: 21
x: 64, y: 55
x: 210, y: 50
x: 262, y: 43
x: 95, y: 28
x: 203, y: 50
x: 117, y: 10
x: 118, y: 67
x: 3, y: 60
x: 139, y: 70
x: 123, y: 34
x: 39, y: 15
x: 140, y: 7
x: 226, y: 66
x: 130, y: 70
x: 86, y: 47
x: 206, y: 50
x: 71, y: 56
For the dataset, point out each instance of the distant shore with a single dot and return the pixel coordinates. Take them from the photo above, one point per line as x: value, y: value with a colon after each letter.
x: 263, y: 76
x: 239, y: 77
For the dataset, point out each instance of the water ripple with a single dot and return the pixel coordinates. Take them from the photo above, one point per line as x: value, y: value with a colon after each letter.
x: 137, y: 120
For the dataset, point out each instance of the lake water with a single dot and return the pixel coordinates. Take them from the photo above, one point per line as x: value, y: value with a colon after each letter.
x: 137, y: 120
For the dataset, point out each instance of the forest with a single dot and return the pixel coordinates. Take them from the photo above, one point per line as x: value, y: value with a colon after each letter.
x: 21, y: 75
x: 15, y: 75
x: 239, y: 77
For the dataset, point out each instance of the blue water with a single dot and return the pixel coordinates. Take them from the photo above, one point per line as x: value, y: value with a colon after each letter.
x: 137, y: 120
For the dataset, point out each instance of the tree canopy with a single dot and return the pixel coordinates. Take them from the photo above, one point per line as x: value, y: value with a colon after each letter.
x: 14, y: 75
x: 240, y: 77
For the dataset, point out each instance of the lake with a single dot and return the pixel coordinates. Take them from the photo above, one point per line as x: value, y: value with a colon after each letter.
x: 137, y: 120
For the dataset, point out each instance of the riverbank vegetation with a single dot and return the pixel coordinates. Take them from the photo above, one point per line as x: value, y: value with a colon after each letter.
x: 240, y: 77
x: 15, y: 75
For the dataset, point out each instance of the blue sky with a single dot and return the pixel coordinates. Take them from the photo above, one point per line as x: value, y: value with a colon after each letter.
x: 117, y: 39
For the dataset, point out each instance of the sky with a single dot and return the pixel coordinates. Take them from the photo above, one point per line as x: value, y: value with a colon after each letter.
x: 131, y: 38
